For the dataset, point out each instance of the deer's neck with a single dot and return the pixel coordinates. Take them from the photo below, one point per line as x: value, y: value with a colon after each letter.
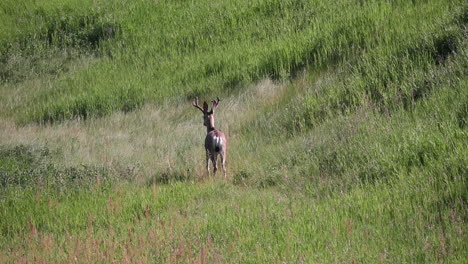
x: 210, y: 126
x: 209, y: 129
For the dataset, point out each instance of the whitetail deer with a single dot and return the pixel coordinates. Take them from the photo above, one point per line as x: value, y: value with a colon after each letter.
x: 215, y: 141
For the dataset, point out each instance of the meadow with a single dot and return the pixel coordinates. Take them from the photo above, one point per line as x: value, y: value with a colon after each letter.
x: 347, y: 129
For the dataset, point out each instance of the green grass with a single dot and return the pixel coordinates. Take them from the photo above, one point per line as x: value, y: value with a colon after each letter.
x: 383, y: 222
x: 346, y: 125
x: 162, y: 49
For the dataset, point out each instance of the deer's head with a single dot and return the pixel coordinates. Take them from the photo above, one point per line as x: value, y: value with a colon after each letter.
x: 208, y: 116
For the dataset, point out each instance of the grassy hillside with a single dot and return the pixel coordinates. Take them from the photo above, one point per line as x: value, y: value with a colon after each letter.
x: 149, y: 50
x: 346, y: 125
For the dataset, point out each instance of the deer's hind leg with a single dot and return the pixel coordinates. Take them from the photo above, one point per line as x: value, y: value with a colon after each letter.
x: 223, y: 162
x: 208, y: 162
x: 214, y: 158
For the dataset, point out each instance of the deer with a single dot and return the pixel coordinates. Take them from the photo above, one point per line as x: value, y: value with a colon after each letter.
x: 215, y: 140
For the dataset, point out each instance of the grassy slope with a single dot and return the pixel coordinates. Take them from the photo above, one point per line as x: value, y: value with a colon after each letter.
x: 361, y: 156
x: 162, y: 49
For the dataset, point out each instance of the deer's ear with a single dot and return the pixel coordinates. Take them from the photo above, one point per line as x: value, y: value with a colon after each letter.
x: 205, y: 106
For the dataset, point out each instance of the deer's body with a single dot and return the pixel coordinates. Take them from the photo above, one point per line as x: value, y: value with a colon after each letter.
x: 215, y: 144
x: 215, y: 140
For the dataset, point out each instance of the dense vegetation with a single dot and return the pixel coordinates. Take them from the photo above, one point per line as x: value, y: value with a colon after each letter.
x: 346, y: 122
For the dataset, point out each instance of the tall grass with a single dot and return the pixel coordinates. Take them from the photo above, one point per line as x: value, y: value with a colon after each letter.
x: 163, y: 49
x: 346, y: 125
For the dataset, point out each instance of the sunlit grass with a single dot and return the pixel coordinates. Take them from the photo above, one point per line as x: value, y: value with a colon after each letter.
x: 165, y: 49
x: 219, y: 222
x: 346, y: 126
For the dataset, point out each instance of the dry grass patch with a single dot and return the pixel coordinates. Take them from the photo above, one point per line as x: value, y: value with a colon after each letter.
x: 154, y: 140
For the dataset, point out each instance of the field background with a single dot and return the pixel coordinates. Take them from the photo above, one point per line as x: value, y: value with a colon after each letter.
x: 346, y: 121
